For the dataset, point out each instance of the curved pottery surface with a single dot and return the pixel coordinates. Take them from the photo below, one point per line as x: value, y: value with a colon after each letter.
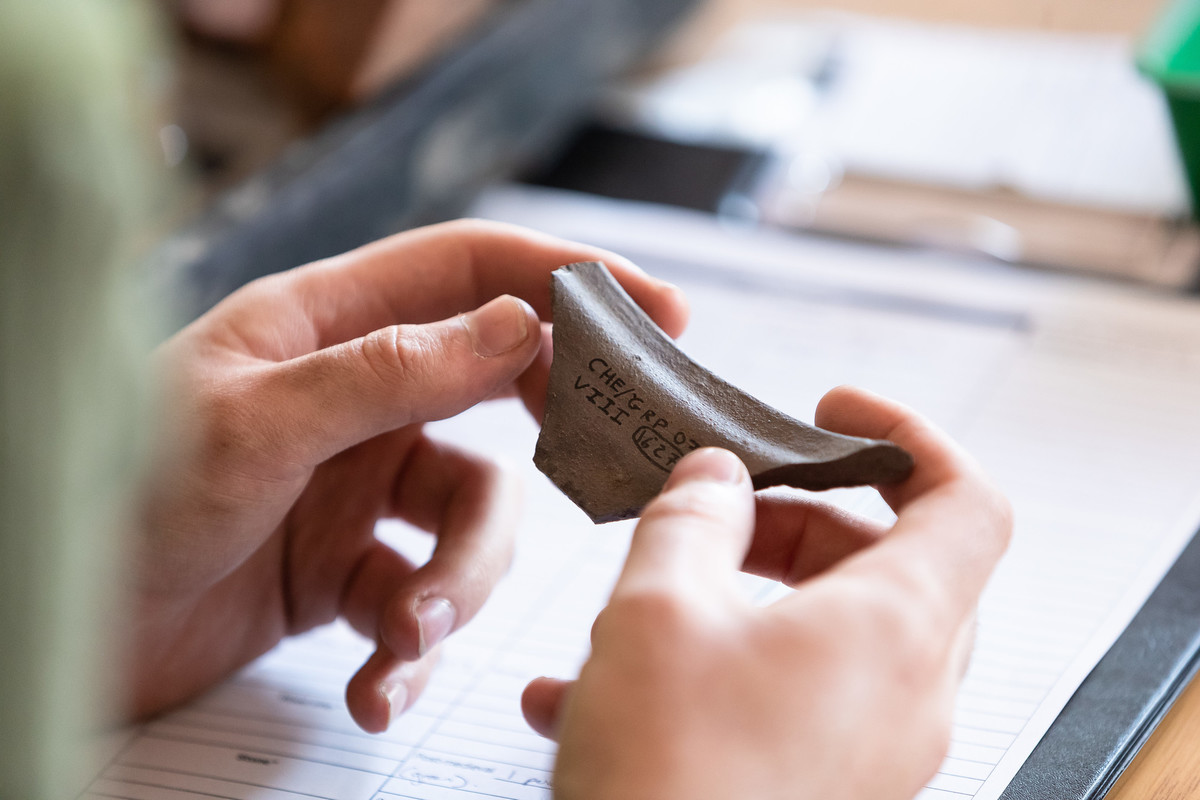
x: 624, y: 404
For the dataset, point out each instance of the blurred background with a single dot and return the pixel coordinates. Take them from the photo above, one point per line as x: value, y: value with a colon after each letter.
x: 1021, y: 130
x: 255, y: 74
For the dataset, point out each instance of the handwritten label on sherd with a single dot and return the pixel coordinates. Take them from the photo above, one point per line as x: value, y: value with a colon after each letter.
x: 622, y: 402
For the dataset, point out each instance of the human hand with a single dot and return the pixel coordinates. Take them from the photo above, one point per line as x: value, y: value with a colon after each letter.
x: 843, y: 689
x: 293, y: 419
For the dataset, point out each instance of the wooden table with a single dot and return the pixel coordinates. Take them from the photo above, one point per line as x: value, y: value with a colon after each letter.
x: 1168, y: 767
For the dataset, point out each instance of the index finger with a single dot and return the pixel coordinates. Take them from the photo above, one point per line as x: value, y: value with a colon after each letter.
x: 441, y: 270
x: 952, y: 524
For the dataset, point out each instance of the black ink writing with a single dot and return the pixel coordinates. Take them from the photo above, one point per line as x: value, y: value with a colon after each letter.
x: 249, y: 759
x: 656, y: 449
x: 617, y: 398
x: 297, y: 700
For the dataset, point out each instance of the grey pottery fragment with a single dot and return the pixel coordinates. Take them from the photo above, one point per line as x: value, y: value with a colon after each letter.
x: 624, y: 404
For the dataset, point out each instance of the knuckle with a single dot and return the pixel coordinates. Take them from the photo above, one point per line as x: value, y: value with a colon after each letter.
x: 657, y: 608
x: 491, y: 559
x: 647, y: 620
x: 478, y: 225
x: 399, y: 353
x: 501, y: 550
x: 231, y: 437
x: 226, y: 428
x: 474, y: 231
x: 902, y: 627
x: 995, y: 514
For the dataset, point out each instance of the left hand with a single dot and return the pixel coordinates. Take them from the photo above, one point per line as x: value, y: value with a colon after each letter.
x: 292, y: 422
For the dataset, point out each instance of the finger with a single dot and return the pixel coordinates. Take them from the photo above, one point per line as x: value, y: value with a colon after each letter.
x: 694, y: 535
x: 433, y: 272
x: 472, y: 506
x: 385, y: 687
x: 247, y: 23
x: 952, y: 524
x: 531, y: 386
x: 796, y: 536
x: 348, y: 393
x: 857, y: 412
x: 542, y: 703
x: 372, y: 584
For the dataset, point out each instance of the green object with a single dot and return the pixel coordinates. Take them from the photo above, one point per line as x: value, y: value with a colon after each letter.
x: 1170, y: 55
x: 76, y: 193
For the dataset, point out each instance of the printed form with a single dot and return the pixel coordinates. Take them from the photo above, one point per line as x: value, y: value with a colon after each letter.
x: 1079, y: 398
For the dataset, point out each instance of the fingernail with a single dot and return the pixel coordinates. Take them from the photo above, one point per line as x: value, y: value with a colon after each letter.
x: 497, y: 326
x: 396, y: 694
x: 435, y: 618
x: 710, y: 464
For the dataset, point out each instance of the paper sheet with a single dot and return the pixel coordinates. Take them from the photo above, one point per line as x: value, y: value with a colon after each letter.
x: 1033, y: 111
x: 1079, y: 398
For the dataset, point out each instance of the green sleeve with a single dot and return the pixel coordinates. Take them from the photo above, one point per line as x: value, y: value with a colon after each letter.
x: 75, y: 184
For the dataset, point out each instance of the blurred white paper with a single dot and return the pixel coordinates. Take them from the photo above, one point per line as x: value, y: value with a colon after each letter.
x: 1057, y: 117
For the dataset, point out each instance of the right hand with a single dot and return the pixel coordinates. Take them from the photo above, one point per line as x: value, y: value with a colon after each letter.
x: 843, y: 689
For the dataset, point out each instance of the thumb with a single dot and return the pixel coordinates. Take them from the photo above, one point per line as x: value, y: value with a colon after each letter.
x: 341, y: 395
x: 695, y: 534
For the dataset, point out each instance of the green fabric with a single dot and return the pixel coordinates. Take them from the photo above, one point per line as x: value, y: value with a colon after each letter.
x: 73, y: 195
